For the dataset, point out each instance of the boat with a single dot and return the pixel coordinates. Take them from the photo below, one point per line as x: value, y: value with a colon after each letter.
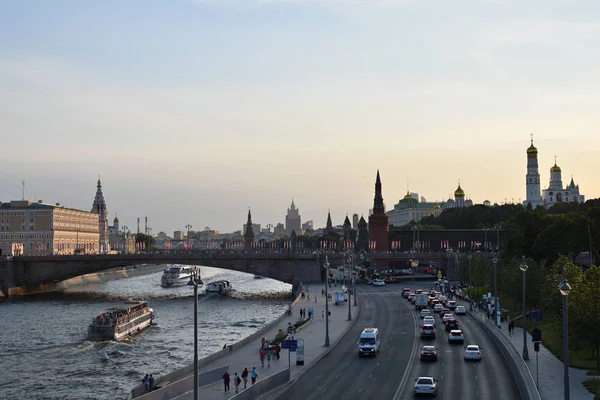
x: 177, y: 275
x: 258, y: 276
x: 119, y: 322
x: 220, y: 287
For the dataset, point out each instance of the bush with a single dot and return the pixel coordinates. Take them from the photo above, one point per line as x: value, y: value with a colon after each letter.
x: 279, y: 338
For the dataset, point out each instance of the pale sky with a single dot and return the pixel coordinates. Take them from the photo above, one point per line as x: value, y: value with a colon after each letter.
x: 192, y: 111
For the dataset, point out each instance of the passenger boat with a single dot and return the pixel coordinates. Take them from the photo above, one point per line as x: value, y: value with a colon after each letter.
x: 220, y: 287
x: 177, y: 275
x: 119, y: 322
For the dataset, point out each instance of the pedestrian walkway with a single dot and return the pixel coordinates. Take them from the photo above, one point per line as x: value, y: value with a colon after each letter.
x: 313, y: 334
x: 550, y: 380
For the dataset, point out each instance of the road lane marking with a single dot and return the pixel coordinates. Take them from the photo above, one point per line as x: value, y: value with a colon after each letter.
x: 337, y: 376
x: 323, y: 391
x: 360, y: 390
x: 378, y: 364
x: 370, y: 376
x: 411, y: 360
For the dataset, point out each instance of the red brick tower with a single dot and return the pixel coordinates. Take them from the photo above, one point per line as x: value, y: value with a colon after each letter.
x: 378, y: 221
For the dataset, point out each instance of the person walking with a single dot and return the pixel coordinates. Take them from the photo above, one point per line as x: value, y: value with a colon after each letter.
x: 277, y: 351
x: 236, y: 382
x: 226, y: 379
x: 322, y: 315
x: 254, y: 375
x: 262, y: 357
x: 245, y: 377
x: 269, y: 359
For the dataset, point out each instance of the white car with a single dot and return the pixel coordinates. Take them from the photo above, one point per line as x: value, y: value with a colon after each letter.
x: 378, y: 282
x: 460, y: 310
x: 438, y: 307
x: 473, y: 352
x: 429, y: 320
x: 456, y: 336
x: 425, y: 313
x: 447, y: 316
x: 426, y: 385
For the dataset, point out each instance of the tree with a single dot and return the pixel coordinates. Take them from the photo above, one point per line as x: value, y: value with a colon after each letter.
x: 589, y: 316
x: 146, y: 239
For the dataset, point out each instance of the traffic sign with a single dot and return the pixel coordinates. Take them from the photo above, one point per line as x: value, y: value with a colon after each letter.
x: 289, y: 344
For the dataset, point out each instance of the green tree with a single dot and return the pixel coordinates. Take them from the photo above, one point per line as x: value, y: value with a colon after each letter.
x: 148, y: 240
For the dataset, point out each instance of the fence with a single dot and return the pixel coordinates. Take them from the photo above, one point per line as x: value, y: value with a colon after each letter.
x: 185, y: 385
x: 263, y: 386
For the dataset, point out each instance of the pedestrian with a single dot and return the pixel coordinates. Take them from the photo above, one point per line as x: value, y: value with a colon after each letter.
x: 262, y: 357
x: 151, y: 382
x: 226, y: 379
x: 322, y: 315
x: 323, y: 292
x: 245, y: 377
x: 269, y: 359
x: 315, y: 299
x: 146, y: 383
x: 254, y: 375
x: 236, y: 382
x: 329, y: 315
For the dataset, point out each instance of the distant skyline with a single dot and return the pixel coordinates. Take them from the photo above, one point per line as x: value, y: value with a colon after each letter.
x: 191, y: 111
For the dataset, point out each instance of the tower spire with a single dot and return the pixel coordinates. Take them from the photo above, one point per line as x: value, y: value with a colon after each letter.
x: 378, y: 207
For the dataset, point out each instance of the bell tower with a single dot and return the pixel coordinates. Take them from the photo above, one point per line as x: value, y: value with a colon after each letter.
x: 533, y: 194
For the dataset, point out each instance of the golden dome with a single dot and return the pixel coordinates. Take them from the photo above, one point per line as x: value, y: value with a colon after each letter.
x: 116, y: 220
x: 532, y: 149
x: 408, y: 196
x: 555, y: 168
x: 459, y: 192
x: 436, y: 207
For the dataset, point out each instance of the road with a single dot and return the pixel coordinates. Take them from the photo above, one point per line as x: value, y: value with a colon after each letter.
x: 343, y: 375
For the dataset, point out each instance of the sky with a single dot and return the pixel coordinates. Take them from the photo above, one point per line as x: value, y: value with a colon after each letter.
x: 191, y: 111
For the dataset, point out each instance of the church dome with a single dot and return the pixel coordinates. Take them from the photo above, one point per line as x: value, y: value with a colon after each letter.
x: 408, y: 196
x: 555, y: 168
x: 116, y: 220
x: 459, y: 192
x: 436, y: 207
x: 532, y: 149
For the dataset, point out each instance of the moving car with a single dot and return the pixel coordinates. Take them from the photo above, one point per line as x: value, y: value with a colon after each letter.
x: 426, y: 385
x: 451, y: 304
x: 369, y: 342
x: 378, y: 282
x: 451, y: 324
x: 438, y: 308
x: 447, y: 316
x: 424, y: 313
x: 428, y: 331
x: 456, y: 336
x: 460, y: 310
x: 429, y: 353
x: 429, y: 320
x: 473, y: 352
x: 443, y: 312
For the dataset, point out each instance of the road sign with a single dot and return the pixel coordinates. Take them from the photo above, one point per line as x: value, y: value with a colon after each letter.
x: 291, y: 345
x: 536, y: 335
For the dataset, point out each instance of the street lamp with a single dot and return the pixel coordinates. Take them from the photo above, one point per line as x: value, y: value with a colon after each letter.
x: 347, y: 290
x: 195, y: 281
x: 564, y: 290
x: 470, y: 257
x: 495, y: 261
x: 326, y: 265
x: 354, y: 279
x: 524, y: 268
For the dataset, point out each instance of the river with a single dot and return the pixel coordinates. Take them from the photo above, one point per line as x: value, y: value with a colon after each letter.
x: 44, y: 354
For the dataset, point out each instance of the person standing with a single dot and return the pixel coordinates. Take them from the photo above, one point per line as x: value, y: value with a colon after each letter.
x: 226, y: 379
x: 151, y: 382
x: 236, y: 382
x: 277, y: 350
x: 254, y: 375
x: 245, y: 377
x: 268, y: 359
x: 262, y: 357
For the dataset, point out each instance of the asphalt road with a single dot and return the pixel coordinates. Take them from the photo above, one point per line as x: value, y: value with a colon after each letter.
x: 343, y: 375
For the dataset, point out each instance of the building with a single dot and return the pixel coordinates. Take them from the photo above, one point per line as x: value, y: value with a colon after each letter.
x: 355, y: 221
x: 293, y: 222
x: 555, y: 193
x: 249, y: 233
x: 278, y: 231
x: 329, y: 224
x: 256, y: 228
x: 410, y: 209
x: 44, y: 229
x: 378, y: 220
x: 307, y: 226
x: 99, y: 208
x: 178, y: 235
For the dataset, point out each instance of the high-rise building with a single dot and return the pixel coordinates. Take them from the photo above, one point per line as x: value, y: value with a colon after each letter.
x: 378, y: 220
x: 293, y: 222
x: 99, y: 207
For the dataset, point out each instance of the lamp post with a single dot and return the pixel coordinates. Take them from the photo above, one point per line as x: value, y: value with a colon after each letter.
x: 523, y: 268
x: 564, y: 290
x: 347, y: 285
x: 470, y: 257
x: 326, y: 265
x: 195, y: 281
x: 495, y: 261
x: 354, y: 279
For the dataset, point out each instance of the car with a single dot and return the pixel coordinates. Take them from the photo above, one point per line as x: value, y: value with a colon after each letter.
x: 413, y: 300
x: 429, y: 353
x: 369, y: 281
x: 443, y: 312
x: 369, y: 342
x: 428, y: 331
x: 447, y: 316
x: 460, y: 310
x: 451, y: 324
x: 424, y: 313
x: 405, y: 293
x: 473, y: 352
x: 428, y: 319
x: 378, y: 282
x: 451, y: 304
x: 426, y: 385
x: 437, y: 308
x: 456, y: 336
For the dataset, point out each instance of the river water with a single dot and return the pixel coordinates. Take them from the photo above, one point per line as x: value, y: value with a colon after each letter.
x: 44, y: 354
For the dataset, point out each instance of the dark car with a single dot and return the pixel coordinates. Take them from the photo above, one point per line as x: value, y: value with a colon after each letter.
x: 451, y: 324
x: 444, y: 311
x: 428, y: 331
x: 429, y: 353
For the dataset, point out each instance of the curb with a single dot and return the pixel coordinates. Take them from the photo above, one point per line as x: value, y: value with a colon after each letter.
x: 280, y: 390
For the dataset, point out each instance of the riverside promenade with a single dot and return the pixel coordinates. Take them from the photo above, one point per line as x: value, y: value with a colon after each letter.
x: 313, y: 333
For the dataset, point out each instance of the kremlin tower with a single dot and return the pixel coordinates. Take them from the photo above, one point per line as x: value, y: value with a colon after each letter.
x: 379, y: 220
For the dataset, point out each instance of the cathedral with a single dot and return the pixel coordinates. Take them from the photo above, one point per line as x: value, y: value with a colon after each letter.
x: 99, y: 207
x: 555, y: 193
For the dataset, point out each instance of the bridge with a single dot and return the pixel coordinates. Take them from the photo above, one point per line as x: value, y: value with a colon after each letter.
x: 41, y: 273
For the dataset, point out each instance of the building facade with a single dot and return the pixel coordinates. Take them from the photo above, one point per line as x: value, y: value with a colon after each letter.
x: 44, y: 229
x: 410, y: 209
x: 99, y: 208
x: 293, y: 221
x: 533, y: 196
x: 378, y: 220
